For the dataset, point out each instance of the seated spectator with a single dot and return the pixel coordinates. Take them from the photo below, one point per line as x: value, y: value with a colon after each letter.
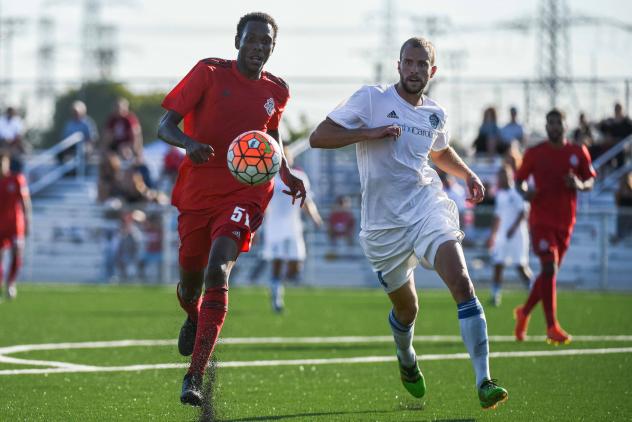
x: 82, y: 123
x: 614, y: 130
x: 123, y: 128
x: 128, y: 243
x: 623, y: 198
x: 342, y: 221
x: 488, y: 134
x: 510, y: 133
x: 110, y: 175
x: 513, y: 156
x: 11, y: 131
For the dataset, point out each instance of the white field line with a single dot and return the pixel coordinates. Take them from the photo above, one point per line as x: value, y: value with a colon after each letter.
x: 295, y: 362
x: 285, y: 340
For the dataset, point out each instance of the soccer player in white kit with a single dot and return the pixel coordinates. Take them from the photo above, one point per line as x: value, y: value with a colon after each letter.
x: 406, y: 218
x: 283, y: 241
x: 509, y: 238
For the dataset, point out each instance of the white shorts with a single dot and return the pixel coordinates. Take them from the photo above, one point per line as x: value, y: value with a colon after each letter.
x: 512, y: 251
x: 395, y: 253
x: 290, y: 248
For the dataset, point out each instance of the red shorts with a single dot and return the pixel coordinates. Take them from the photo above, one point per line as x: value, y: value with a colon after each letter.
x: 550, y: 244
x: 198, y: 229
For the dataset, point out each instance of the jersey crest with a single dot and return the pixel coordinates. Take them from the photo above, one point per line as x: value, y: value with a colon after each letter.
x: 574, y: 160
x: 269, y: 106
x: 434, y: 120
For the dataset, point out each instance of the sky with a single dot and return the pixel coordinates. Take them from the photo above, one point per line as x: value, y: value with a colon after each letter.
x: 326, y: 49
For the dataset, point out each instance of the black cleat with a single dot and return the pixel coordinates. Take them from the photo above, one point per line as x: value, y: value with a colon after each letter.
x: 191, y: 390
x: 186, y: 339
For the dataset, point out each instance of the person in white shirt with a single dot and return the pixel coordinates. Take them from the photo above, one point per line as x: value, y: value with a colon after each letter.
x: 509, y: 237
x: 406, y: 218
x: 11, y: 130
x: 283, y: 242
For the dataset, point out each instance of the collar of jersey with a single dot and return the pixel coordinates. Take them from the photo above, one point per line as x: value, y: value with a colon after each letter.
x: 404, y: 102
x: 241, y: 76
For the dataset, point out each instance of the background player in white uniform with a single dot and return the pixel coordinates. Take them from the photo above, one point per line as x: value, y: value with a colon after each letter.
x: 509, y: 238
x: 283, y: 235
x: 406, y: 218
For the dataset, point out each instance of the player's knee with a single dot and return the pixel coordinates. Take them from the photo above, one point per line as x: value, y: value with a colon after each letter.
x: 216, y: 275
x: 406, y: 313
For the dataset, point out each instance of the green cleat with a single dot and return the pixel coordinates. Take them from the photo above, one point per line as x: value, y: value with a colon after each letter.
x: 491, y: 395
x: 412, y: 379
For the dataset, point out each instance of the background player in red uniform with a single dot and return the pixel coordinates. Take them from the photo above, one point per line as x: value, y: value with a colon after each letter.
x: 559, y: 169
x: 15, y: 210
x: 220, y: 99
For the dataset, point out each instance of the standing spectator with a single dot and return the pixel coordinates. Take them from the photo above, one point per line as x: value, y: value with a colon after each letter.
x: 123, y: 128
x: 623, y: 198
x: 129, y: 241
x: 511, y: 132
x: 488, y: 134
x: 79, y: 122
x: 582, y: 134
x: 614, y: 130
x: 11, y: 131
x: 152, y: 253
x: 171, y: 163
x: 342, y: 221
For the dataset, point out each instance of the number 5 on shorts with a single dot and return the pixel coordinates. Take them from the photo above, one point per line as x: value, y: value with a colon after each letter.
x: 238, y: 215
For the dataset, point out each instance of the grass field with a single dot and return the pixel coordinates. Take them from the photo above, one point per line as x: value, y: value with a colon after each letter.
x: 288, y: 379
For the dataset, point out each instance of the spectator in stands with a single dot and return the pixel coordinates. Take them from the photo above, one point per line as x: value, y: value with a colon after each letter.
x: 152, y: 253
x: 455, y: 192
x: 623, y: 198
x: 488, y: 137
x: 341, y: 221
x: 513, y: 157
x: 129, y: 240
x: 614, y: 130
x: 511, y: 132
x: 171, y: 163
x: 123, y: 128
x: 110, y: 175
x: 11, y: 132
x: 79, y: 122
x: 582, y: 134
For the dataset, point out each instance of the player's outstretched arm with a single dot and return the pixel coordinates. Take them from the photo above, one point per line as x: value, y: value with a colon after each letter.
x: 169, y: 132
x: 328, y: 134
x: 449, y: 161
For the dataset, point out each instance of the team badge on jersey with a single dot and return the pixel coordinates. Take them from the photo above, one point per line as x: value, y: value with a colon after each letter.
x: 434, y: 121
x: 269, y: 106
x: 574, y: 160
x: 11, y: 188
x: 544, y: 245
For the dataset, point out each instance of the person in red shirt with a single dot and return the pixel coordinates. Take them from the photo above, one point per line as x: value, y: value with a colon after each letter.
x: 123, y: 128
x: 220, y: 99
x: 15, y: 209
x: 559, y: 169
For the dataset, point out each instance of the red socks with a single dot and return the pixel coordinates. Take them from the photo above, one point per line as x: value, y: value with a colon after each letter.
x: 543, y: 288
x: 191, y: 308
x: 210, y: 322
x: 549, y: 299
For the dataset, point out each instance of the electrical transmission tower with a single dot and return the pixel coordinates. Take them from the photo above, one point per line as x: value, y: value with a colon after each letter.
x: 99, y: 49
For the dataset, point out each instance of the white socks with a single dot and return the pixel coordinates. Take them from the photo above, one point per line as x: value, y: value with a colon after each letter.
x: 474, y: 334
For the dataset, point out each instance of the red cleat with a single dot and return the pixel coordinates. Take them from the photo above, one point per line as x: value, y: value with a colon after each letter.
x: 522, y: 322
x: 556, y: 335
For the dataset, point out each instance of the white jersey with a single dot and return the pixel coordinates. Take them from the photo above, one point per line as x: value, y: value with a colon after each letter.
x: 283, y: 220
x: 393, y: 173
x: 509, y: 204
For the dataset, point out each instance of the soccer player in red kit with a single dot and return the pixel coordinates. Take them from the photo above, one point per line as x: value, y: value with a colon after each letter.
x: 15, y: 209
x: 220, y: 99
x: 559, y: 169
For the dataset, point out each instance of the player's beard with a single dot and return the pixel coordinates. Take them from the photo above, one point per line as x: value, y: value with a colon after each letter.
x: 410, y: 90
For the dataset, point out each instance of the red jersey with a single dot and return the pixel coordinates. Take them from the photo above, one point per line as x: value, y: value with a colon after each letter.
x: 218, y: 103
x: 122, y: 129
x: 13, y: 189
x: 554, y: 203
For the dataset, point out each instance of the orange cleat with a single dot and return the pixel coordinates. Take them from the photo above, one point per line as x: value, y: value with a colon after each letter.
x: 556, y: 335
x: 522, y: 322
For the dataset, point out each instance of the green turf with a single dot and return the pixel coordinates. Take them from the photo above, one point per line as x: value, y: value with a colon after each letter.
x: 592, y: 387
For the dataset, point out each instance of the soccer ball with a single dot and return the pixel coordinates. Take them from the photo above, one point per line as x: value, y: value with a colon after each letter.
x: 254, y: 157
